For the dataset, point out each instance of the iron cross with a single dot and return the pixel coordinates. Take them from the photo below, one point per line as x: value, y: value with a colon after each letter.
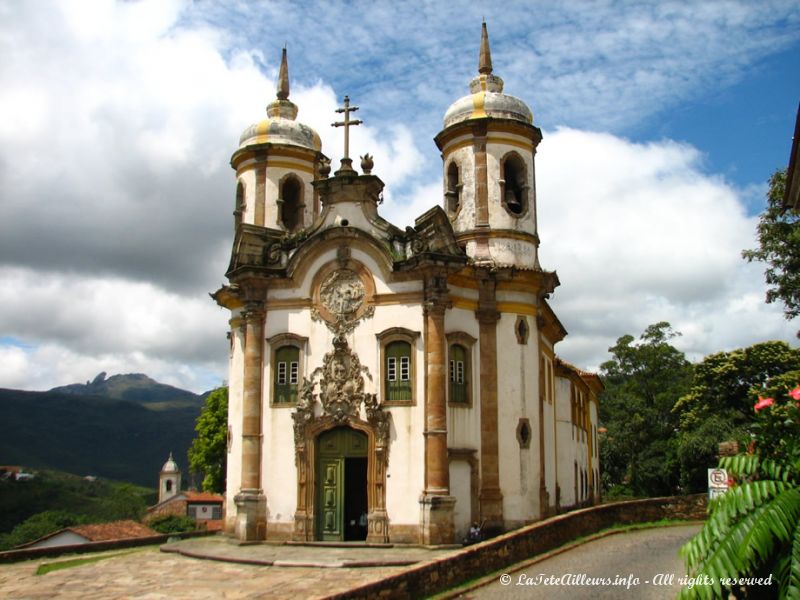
x: 347, y: 109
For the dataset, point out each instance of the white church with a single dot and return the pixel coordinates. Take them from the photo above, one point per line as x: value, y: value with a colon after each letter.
x: 397, y: 385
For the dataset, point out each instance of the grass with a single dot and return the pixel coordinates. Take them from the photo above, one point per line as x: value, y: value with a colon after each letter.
x: 45, y: 568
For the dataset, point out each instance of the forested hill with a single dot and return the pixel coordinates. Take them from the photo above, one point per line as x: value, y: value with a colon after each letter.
x: 123, y: 439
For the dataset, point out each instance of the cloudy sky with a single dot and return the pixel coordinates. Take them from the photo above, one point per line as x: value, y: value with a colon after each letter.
x: 662, y: 122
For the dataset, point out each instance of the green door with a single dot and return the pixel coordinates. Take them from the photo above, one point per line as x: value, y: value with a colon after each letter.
x: 341, y: 483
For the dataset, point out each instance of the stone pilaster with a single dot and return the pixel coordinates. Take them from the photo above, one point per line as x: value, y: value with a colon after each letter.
x: 261, y: 194
x: 436, y: 503
x: 481, y: 192
x: 490, y: 496
x: 251, y: 504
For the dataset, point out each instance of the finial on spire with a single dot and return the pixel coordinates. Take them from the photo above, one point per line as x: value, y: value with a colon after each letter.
x: 283, y: 78
x: 485, y: 59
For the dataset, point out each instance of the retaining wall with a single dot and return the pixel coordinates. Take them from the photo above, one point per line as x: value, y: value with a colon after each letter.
x: 521, y: 544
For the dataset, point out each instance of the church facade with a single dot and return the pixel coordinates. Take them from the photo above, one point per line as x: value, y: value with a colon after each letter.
x: 393, y: 384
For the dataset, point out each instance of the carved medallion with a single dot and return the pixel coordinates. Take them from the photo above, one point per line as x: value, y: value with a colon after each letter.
x: 342, y: 293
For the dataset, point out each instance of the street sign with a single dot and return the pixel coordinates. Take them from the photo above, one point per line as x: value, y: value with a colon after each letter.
x: 717, y: 483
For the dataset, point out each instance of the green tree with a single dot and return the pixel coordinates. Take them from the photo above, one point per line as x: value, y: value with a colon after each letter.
x: 172, y: 524
x: 719, y: 404
x: 209, y: 449
x: 642, y: 382
x: 39, y: 525
x: 779, y: 247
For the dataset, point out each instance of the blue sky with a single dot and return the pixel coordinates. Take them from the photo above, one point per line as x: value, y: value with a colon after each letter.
x: 662, y: 122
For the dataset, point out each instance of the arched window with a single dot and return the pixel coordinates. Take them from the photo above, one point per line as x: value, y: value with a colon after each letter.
x: 238, y: 211
x: 453, y: 192
x: 168, y: 485
x: 398, y: 371
x: 286, y: 375
x: 397, y: 364
x: 514, y: 185
x: 290, y: 203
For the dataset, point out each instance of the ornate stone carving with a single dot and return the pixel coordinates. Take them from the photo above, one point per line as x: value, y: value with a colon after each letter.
x: 343, y: 296
x: 341, y: 393
x: 338, y: 402
x: 342, y: 293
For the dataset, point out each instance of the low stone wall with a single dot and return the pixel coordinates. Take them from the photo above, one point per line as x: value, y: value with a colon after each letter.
x: 30, y: 553
x: 525, y: 543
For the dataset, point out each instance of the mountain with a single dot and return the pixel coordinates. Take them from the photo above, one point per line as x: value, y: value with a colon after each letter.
x: 133, y: 387
x: 123, y: 428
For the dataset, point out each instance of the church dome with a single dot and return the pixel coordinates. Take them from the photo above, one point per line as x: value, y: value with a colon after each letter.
x: 170, y: 466
x: 280, y: 126
x: 486, y: 97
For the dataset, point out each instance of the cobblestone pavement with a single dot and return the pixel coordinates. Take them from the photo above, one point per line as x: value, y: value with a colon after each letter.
x: 651, y: 555
x: 150, y: 574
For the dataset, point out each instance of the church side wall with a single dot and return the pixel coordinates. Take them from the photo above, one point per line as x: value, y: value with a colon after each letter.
x: 552, y: 483
x: 517, y: 394
x: 566, y: 452
x: 234, y: 456
x: 463, y: 422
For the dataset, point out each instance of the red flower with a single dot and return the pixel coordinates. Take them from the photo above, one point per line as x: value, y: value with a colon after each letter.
x: 795, y: 393
x: 763, y: 403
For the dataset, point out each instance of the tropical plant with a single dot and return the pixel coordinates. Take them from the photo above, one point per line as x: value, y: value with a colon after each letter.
x: 719, y: 404
x: 752, y: 536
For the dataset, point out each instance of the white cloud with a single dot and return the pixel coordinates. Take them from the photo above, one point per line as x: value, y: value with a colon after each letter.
x: 77, y: 327
x: 638, y: 234
x: 119, y: 119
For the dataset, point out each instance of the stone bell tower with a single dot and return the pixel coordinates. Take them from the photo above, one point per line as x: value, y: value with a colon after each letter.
x: 277, y: 161
x: 169, y: 480
x: 488, y: 145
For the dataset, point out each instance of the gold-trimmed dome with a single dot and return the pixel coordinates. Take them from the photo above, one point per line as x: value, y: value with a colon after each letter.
x: 486, y: 97
x: 280, y: 126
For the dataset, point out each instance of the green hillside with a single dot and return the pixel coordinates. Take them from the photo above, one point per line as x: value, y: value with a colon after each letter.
x: 97, y: 500
x: 95, y: 435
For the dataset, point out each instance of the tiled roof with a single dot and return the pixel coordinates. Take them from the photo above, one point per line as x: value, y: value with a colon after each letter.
x: 202, y: 497
x: 118, y: 530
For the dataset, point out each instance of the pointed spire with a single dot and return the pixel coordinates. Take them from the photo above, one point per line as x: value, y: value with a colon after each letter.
x: 485, y: 59
x: 283, y: 78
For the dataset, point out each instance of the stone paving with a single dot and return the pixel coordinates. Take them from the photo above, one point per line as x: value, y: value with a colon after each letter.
x: 151, y: 574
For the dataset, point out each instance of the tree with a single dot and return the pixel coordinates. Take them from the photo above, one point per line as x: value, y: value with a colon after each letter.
x: 719, y: 404
x: 172, y: 524
x: 642, y: 383
x: 779, y: 247
x: 209, y: 449
x: 38, y: 526
x: 753, y: 530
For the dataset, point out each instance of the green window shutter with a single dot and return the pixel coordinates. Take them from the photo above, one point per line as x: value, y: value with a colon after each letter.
x: 398, y: 371
x: 459, y: 375
x: 286, y: 375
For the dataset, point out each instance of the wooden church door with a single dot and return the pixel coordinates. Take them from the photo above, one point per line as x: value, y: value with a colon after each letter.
x: 341, y: 485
